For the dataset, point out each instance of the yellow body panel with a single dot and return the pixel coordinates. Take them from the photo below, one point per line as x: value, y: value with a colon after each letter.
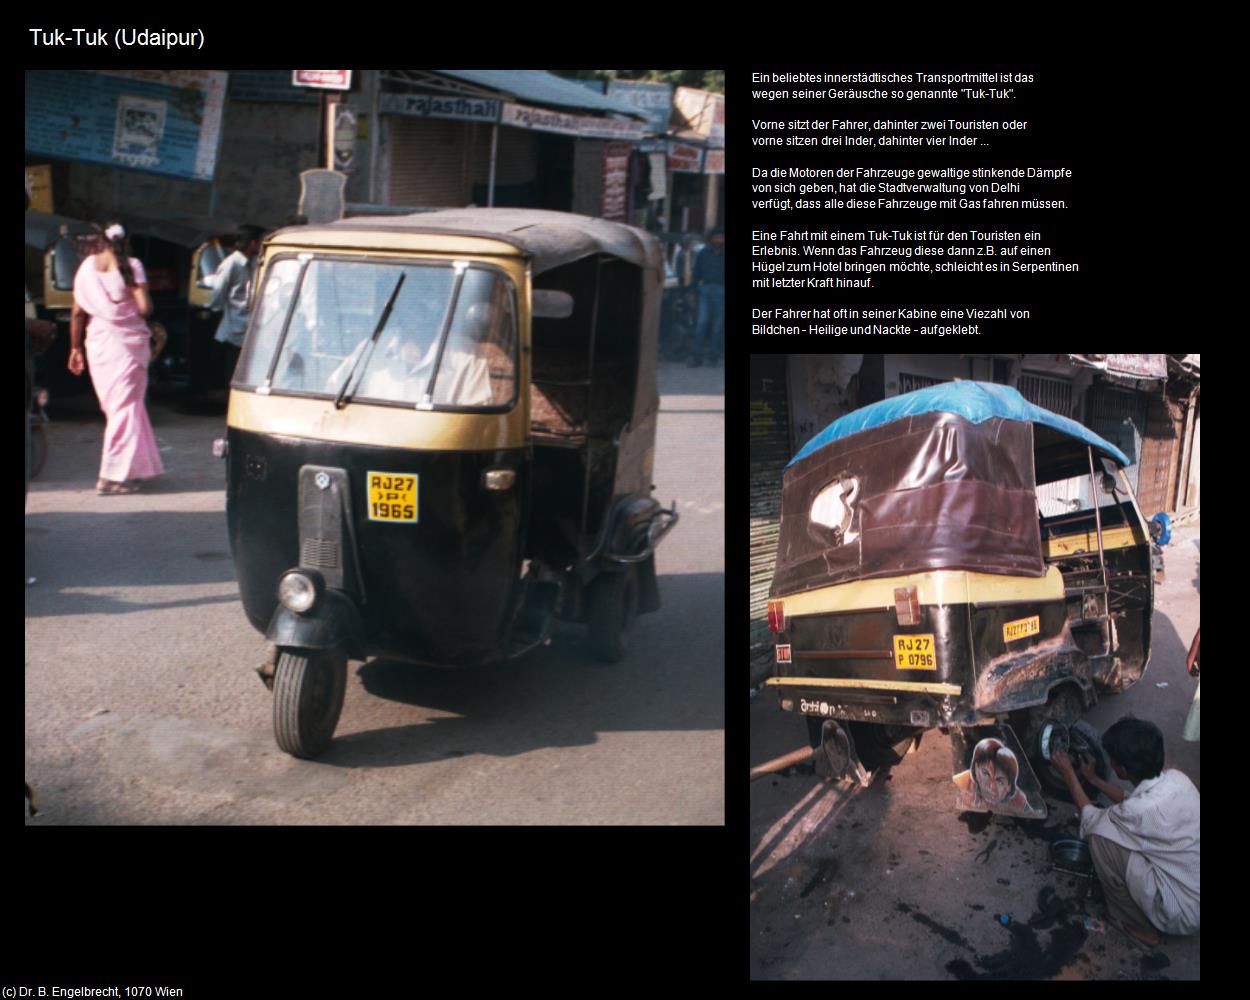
x: 912, y: 687
x: 1121, y: 537
x: 940, y: 587
x: 388, y: 426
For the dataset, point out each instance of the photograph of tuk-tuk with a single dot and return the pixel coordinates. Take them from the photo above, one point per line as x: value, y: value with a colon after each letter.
x: 392, y: 491
x: 916, y: 587
x: 437, y: 509
x: 960, y: 616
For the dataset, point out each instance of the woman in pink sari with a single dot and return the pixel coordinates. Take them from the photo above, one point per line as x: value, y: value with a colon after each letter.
x: 110, y: 302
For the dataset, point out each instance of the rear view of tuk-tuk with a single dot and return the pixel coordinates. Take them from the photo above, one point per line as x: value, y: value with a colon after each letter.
x: 917, y: 588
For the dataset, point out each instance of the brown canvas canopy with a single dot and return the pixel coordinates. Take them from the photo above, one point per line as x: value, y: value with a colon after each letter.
x: 926, y: 492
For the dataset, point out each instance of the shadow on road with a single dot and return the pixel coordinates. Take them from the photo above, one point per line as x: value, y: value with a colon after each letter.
x: 559, y: 695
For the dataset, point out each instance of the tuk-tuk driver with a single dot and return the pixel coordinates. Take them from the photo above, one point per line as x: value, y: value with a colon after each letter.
x: 1146, y: 846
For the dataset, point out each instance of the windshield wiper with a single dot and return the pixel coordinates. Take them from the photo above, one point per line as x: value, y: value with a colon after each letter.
x: 460, y: 267
x: 341, y: 399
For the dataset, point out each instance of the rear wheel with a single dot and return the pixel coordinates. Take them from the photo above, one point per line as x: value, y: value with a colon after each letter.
x: 613, y: 607
x: 1083, y: 740
x: 308, y: 690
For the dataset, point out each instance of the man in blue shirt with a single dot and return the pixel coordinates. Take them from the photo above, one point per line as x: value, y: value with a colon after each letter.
x: 708, y: 281
x: 232, y: 286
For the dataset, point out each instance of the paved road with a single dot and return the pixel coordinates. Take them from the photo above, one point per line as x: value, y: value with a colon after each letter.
x: 890, y: 882
x: 142, y: 707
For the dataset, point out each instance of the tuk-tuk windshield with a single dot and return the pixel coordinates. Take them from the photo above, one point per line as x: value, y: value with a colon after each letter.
x: 319, y: 319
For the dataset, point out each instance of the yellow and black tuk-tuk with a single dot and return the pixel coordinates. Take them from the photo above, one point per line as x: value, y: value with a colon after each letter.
x: 957, y: 558
x: 440, y: 438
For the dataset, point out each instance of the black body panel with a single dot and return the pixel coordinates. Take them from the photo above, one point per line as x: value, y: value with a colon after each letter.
x: 442, y: 590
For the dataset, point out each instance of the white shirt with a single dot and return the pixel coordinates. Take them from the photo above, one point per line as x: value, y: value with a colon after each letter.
x: 231, y: 286
x: 1159, y: 822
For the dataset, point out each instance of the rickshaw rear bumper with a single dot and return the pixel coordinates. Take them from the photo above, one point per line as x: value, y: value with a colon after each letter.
x: 334, y: 623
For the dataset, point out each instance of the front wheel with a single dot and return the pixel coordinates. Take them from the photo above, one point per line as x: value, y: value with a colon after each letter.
x: 308, y: 690
x: 613, y: 607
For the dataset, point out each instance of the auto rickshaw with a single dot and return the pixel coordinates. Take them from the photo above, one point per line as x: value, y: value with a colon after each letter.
x: 959, y: 559
x: 440, y: 438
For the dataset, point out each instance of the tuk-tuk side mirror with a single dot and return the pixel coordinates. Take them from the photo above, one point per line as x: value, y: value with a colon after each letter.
x: 1108, y: 483
x: 204, y: 263
x: 210, y: 256
x: 550, y: 303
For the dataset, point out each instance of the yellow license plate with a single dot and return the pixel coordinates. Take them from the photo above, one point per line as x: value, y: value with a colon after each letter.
x: 392, y: 497
x: 1019, y: 629
x: 914, y: 652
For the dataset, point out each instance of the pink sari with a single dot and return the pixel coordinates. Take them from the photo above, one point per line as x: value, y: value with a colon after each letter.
x: 118, y: 352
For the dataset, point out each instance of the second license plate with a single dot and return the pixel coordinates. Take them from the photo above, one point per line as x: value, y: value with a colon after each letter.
x: 914, y: 652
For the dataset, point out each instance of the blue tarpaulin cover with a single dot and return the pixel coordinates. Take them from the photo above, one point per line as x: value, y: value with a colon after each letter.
x: 974, y: 401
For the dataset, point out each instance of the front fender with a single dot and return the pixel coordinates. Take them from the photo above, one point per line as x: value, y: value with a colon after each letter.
x: 333, y: 624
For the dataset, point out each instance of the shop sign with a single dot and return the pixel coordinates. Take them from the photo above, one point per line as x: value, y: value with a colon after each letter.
x: 685, y: 158
x: 615, y: 179
x: 469, y: 109
x: 162, y: 121
x: 545, y: 120
x: 322, y: 79
x: 655, y: 100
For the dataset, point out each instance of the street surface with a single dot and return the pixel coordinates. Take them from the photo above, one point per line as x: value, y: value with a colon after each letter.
x: 890, y: 882
x: 142, y: 706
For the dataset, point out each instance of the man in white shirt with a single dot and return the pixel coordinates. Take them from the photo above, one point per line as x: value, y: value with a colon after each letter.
x: 232, y: 285
x: 1146, y: 847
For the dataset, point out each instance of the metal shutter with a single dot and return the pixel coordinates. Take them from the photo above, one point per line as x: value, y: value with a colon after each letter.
x: 427, y: 162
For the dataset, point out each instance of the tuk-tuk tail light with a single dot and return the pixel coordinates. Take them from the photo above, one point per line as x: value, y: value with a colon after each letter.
x: 776, y: 616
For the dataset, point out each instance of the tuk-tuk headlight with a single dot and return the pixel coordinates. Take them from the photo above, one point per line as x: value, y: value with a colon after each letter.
x: 300, y: 589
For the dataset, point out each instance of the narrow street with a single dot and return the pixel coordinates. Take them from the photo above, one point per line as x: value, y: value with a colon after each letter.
x: 142, y: 705
x: 890, y: 882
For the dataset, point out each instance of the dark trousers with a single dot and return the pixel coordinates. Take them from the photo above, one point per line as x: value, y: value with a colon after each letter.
x: 229, y: 360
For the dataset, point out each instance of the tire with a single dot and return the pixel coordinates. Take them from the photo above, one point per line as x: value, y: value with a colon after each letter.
x: 1052, y: 781
x: 308, y: 689
x: 613, y: 608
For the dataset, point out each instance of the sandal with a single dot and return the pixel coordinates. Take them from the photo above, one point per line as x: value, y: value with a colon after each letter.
x: 106, y: 487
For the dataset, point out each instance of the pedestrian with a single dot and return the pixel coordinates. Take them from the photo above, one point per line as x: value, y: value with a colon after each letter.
x: 1146, y: 847
x: 232, y: 286
x: 111, y: 304
x: 1191, y: 664
x: 708, y: 281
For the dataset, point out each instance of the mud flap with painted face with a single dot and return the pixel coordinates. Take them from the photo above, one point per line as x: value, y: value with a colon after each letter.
x: 992, y: 773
